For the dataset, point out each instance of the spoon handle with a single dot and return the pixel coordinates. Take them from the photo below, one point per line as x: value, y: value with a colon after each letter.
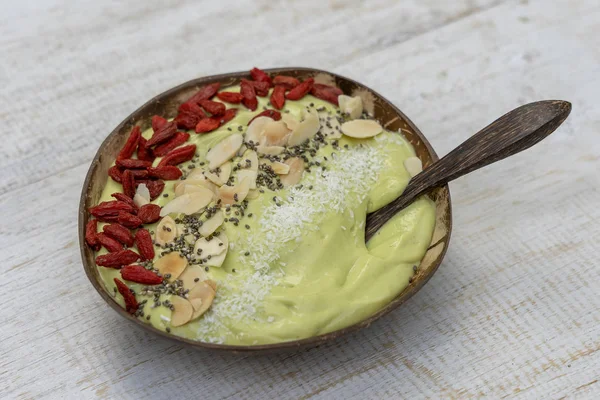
x: 510, y: 134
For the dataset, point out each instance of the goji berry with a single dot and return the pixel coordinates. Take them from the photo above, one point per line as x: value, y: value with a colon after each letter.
x: 125, y: 199
x: 230, y: 97
x: 139, y: 274
x: 249, y: 95
x: 275, y: 115
x: 128, y: 182
x: 143, y: 241
x: 131, y: 143
x: 177, y: 140
x: 155, y: 188
x: 117, y: 259
x: 326, y: 92
x: 163, y: 134
x: 260, y: 88
x: 91, y: 234
x: 168, y: 172
x: 228, y: 116
x: 287, y: 82
x: 130, y: 163
x: 109, y: 243
x: 260, y: 76
x: 213, y: 107
x: 149, y: 213
x: 140, y: 174
x: 188, y: 115
x: 158, y: 122
x: 208, y: 125
x: 131, y: 304
x: 129, y: 220
x: 144, y: 152
x: 120, y: 233
x: 110, y: 209
x: 115, y: 173
x: 178, y: 155
x: 278, y: 97
x: 205, y: 93
x: 301, y: 90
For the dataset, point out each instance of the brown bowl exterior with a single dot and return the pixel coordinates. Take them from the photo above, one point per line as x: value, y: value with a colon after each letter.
x: 166, y: 104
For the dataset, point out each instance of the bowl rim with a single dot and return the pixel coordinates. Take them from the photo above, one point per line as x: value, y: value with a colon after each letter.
x: 293, y: 345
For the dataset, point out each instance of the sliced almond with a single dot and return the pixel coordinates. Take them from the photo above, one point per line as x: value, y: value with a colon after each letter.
x: 212, y: 224
x: 166, y: 231
x: 256, y: 128
x: 330, y: 126
x: 361, y: 128
x: 182, y: 311
x: 413, y: 165
x: 290, y: 121
x: 222, y: 176
x: 249, y: 160
x: 270, y: 150
x: 188, y: 203
x: 224, y: 151
x: 201, y: 297
x: 196, y: 181
x: 242, y: 149
x: 211, y: 248
x: 139, y: 200
x: 192, y: 275
x: 295, y: 172
x: 253, y: 194
x: 212, y: 284
x: 249, y: 175
x: 277, y: 166
x: 219, y: 259
x: 305, y: 129
x: 172, y: 263
x: 351, y: 106
x: 234, y: 194
x: 142, y: 190
x: 275, y: 134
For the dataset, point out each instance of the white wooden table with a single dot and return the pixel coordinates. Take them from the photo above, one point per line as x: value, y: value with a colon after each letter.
x: 514, y: 310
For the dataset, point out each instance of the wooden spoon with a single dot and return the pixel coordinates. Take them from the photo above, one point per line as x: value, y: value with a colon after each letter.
x: 510, y: 134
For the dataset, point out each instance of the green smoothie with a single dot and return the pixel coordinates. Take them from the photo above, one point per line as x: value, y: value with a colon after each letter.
x: 297, y: 264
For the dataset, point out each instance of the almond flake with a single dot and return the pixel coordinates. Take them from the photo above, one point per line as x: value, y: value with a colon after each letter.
x: 277, y: 166
x: 255, y: 130
x: 182, y: 311
x: 219, y: 259
x: 249, y: 175
x: 351, y: 106
x: 211, y: 224
x: 275, y: 134
x: 413, y: 166
x: 361, y: 128
x: 289, y: 121
x: 188, y: 203
x: 224, y: 151
x: 234, y: 194
x: 195, y: 181
x: 139, y: 200
x: 252, y: 157
x: 166, y: 231
x: 253, y: 194
x: 305, y: 129
x: 270, y: 150
x: 201, y: 297
x: 142, y: 191
x: 295, y: 172
x: 222, y: 177
x: 172, y: 263
x: 191, y: 273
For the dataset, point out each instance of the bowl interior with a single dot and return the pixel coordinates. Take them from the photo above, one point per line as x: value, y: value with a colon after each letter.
x: 166, y: 104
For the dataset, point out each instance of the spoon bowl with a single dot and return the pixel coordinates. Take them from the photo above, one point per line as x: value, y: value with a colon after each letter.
x: 166, y: 104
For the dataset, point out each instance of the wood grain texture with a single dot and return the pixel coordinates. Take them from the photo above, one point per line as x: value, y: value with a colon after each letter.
x: 513, y: 310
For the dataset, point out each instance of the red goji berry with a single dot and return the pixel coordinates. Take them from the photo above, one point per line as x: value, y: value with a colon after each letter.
x: 131, y: 143
x: 128, y: 182
x: 143, y: 241
x: 278, y: 97
x: 149, y: 213
x: 91, y: 234
x: 260, y: 76
x: 168, y: 172
x: 163, y: 134
x: 158, y: 122
x: 249, y: 95
x: 125, y: 199
x: 110, y: 209
x: 120, y: 233
x: 205, y: 93
x: 260, y: 88
x: 155, y: 188
x: 213, y: 107
x: 129, y: 220
x: 117, y: 259
x: 230, y: 97
x: 115, y: 173
x: 139, y: 274
x: 207, y: 125
x: 130, y: 163
x: 140, y: 174
x: 287, y: 82
x: 188, y: 115
x: 228, y: 116
x: 109, y: 243
x: 131, y: 304
x: 275, y: 115
x: 144, y: 152
x: 177, y: 140
x: 178, y: 155
x: 301, y: 90
x: 326, y: 92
